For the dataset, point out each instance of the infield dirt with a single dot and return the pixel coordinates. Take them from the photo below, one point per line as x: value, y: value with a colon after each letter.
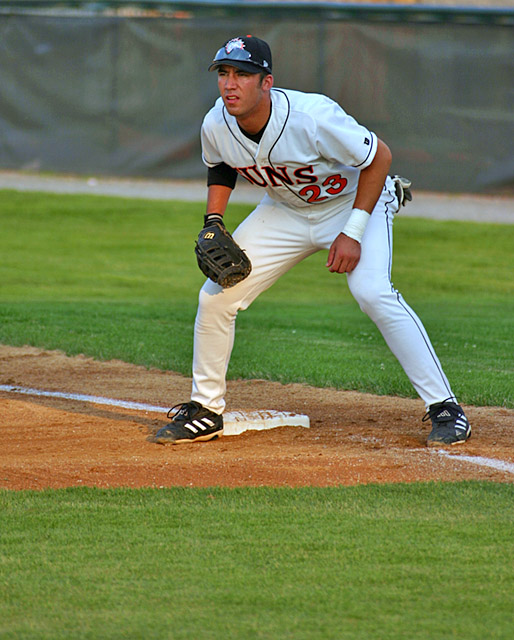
x: 353, y: 439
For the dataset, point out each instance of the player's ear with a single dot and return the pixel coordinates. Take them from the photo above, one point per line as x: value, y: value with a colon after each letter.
x: 267, y: 82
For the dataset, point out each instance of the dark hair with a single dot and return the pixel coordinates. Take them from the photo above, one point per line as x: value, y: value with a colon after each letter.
x: 263, y: 74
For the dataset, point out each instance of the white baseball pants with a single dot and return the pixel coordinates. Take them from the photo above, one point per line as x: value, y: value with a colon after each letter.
x: 276, y: 237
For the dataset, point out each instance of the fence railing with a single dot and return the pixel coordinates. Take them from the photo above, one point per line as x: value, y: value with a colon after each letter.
x: 121, y: 88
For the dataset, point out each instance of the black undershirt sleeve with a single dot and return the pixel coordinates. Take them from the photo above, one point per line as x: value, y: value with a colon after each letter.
x: 222, y: 174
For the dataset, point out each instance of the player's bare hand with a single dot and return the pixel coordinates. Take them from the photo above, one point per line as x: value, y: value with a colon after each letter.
x: 344, y: 254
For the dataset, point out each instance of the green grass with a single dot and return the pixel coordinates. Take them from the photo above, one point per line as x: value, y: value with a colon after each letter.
x: 117, y: 278
x: 404, y: 561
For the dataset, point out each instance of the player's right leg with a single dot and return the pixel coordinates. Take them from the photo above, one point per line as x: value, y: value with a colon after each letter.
x: 275, y: 240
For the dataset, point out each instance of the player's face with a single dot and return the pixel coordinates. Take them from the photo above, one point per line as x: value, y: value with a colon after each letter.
x: 245, y: 95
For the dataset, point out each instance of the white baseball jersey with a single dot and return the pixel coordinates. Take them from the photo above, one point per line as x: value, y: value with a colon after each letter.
x: 311, y: 151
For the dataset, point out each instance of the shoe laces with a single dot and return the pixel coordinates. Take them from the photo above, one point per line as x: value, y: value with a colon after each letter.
x: 185, y: 410
x: 448, y: 405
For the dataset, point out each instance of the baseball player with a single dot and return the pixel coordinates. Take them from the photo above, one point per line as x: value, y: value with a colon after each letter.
x: 326, y: 186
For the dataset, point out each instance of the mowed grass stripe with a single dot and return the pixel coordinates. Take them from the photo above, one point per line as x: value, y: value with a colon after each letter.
x: 404, y: 561
x: 117, y: 278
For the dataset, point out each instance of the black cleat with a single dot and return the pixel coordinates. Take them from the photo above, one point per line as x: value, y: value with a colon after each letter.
x: 191, y: 422
x: 449, y: 424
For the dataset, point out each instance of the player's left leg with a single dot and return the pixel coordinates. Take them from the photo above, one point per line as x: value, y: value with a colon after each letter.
x: 370, y: 284
x: 403, y: 331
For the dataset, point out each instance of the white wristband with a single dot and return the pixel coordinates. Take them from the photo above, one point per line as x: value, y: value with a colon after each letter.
x: 356, y: 224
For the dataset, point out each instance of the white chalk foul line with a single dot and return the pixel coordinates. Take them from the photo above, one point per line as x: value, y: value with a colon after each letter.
x: 235, y: 422
x: 83, y: 398
x: 499, y: 465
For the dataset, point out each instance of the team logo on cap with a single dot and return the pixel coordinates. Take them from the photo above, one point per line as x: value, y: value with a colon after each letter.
x: 235, y: 43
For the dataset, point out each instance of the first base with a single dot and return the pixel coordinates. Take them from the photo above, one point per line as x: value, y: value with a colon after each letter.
x: 236, y: 422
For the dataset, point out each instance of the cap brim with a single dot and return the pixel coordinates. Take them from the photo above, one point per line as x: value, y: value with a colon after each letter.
x: 240, y: 64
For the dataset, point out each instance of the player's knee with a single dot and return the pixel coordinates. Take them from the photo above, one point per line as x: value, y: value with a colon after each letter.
x: 210, y: 298
x: 214, y: 300
x: 369, y: 294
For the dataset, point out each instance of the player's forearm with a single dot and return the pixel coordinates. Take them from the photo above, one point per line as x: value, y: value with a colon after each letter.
x: 372, y: 178
x: 218, y: 196
x: 371, y: 183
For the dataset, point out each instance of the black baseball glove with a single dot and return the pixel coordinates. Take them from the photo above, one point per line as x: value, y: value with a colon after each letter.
x: 402, y: 187
x: 219, y: 256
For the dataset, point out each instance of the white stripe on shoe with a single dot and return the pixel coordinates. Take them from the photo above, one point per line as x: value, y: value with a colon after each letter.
x: 461, y: 424
x: 202, y: 423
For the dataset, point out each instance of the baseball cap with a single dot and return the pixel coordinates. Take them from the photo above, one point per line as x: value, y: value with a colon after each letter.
x: 250, y: 54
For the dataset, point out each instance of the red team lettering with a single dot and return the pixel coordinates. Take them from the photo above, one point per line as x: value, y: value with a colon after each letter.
x: 277, y: 172
x: 275, y: 176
